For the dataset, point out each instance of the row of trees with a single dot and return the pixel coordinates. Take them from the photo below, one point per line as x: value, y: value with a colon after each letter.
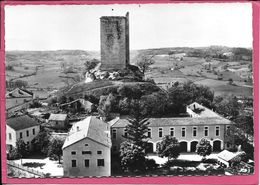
x: 156, y: 103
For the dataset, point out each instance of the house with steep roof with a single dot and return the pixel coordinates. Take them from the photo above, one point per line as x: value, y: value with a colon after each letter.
x: 188, y: 131
x: 58, y: 121
x: 22, y: 127
x: 87, y: 149
x: 18, y: 99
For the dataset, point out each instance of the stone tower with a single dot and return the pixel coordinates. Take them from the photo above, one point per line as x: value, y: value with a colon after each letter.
x: 114, y: 42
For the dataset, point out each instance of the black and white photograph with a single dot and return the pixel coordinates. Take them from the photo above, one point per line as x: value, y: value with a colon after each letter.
x: 129, y: 90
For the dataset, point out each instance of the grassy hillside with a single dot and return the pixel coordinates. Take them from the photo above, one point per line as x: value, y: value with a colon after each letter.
x: 104, y: 87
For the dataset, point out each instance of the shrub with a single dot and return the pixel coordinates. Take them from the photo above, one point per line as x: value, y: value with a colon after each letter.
x: 9, y: 68
x: 150, y: 164
x: 204, y: 148
x: 181, y: 163
x: 13, y: 154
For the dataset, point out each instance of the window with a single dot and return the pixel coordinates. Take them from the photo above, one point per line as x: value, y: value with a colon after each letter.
x: 125, y: 133
x: 86, y: 152
x: 86, y: 144
x: 86, y: 162
x: 10, y: 136
x: 114, y: 133
x: 194, y: 131
x: 21, y: 135
x: 183, y: 132
x: 99, y: 152
x: 228, y: 130
x: 172, y: 131
x: 33, y: 131
x: 206, y: 131
x: 217, y: 131
x: 100, y: 162
x: 27, y: 133
x: 73, y: 153
x: 160, y: 132
x: 73, y: 163
x: 149, y: 133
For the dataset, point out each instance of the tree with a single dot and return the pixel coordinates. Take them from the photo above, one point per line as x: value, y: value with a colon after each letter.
x: 132, y: 157
x: 204, y: 148
x: 91, y: 64
x: 22, y: 148
x: 181, y: 95
x: 13, y: 154
x: 168, y: 147
x: 137, y: 128
x: 230, y: 81
x: 55, y: 148
x: 144, y: 63
x: 41, y: 141
x: 9, y: 68
x: 132, y: 151
x: 154, y: 104
x: 107, y: 104
x: 237, y: 137
x: 228, y: 107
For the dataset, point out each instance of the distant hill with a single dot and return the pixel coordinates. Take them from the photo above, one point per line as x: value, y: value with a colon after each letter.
x: 211, y: 51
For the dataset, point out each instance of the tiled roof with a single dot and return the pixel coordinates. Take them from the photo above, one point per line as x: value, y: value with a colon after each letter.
x: 19, y: 93
x: 57, y: 117
x: 21, y: 122
x: 183, y: 121
x: 202, y: 110
x: 91, y: 127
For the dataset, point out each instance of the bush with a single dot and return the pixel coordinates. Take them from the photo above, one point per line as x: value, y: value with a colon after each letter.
x: 181, y: 163
x: 150, y: 80
x: 9, y: 68
x: 13, y: 154
x: 35, y: 104
x: 150, y: 164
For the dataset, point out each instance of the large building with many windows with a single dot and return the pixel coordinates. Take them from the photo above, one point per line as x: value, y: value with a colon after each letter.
x: 87, y: 149
x: 188, y: 131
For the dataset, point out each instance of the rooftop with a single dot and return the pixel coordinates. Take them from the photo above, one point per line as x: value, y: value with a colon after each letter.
x: 57, y: 117
x: 19, y: 93
x: 202, y: 111
x: 183, y: 121
x: 92, y: 128
x: 228, y: 156
x: 21, y: 122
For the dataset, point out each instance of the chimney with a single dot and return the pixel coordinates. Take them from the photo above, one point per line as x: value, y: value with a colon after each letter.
x: 77, y: 128
x: 194, y: 107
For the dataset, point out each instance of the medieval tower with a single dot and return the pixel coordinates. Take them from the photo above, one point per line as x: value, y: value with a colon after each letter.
x: 114, y: 42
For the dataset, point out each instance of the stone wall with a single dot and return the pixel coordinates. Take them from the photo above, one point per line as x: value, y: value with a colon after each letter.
x: 114, y: 42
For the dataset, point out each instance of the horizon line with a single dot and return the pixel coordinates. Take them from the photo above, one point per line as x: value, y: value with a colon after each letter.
x: 138, y: 49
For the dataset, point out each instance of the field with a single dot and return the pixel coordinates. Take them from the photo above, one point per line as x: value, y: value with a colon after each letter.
x: 47, y: 69
x: 214, y: 74
x: 50, y: 65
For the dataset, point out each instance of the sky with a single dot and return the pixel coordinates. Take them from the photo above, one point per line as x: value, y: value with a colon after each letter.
x: 56, y: 27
